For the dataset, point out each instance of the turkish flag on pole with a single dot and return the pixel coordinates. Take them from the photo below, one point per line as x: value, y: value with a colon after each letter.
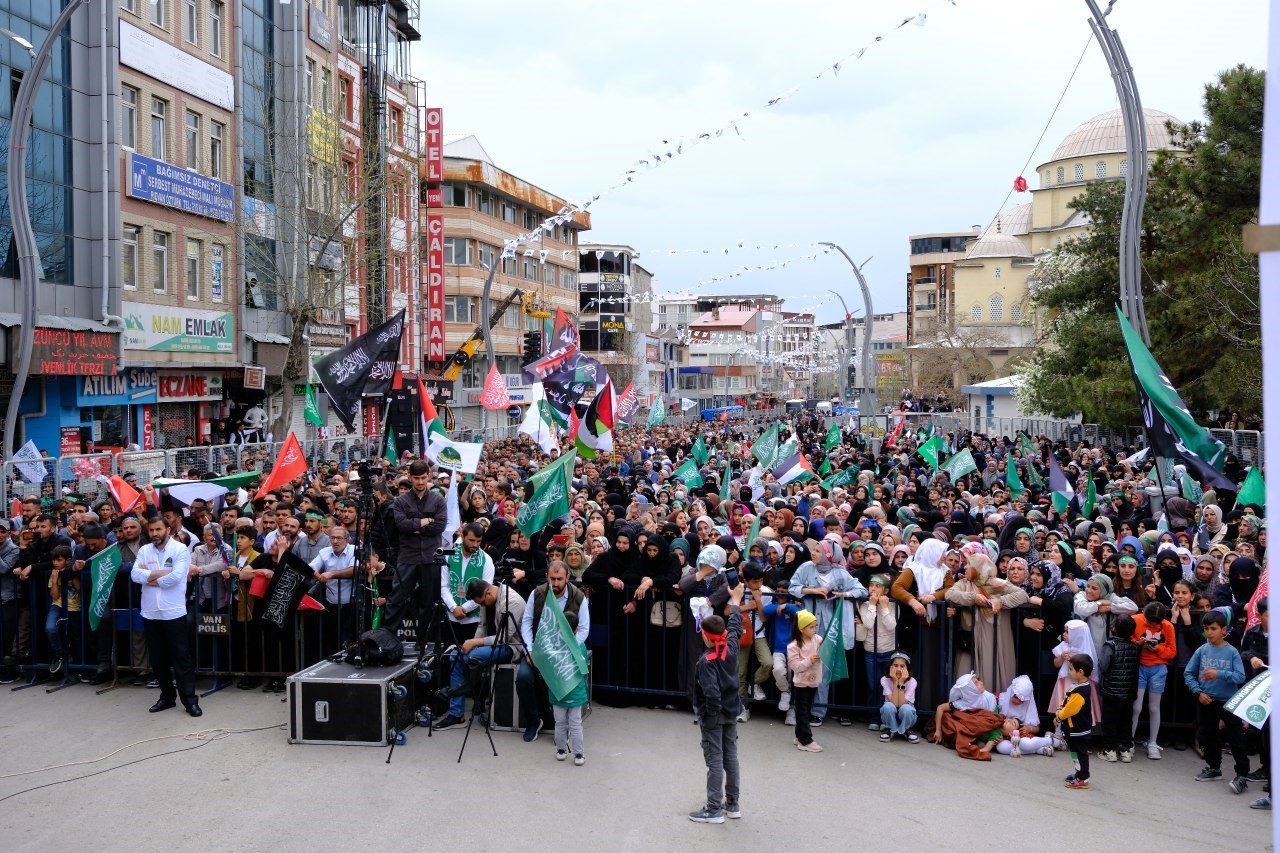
x: 495, y: 396
x: 125, y: 495
x: 289, y: 464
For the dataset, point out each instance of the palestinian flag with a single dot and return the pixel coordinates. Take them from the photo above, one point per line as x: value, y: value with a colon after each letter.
x: 595, y: 434
x: 1063, y: 493
x: 429, y: 422
x: 793, y: 468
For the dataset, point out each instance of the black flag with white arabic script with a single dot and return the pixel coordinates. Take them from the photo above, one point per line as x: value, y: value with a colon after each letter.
x: 364, y: 366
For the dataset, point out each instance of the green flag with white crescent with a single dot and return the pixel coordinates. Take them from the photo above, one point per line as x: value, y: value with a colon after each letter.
x: 688, y: 474
x: 311, y: 411
x: 831, y: 649
x: 551, y: 488
x: 833, y: 437
x: 931, y: 450
x: 103, y: 567
x: 959, y: 465
x: 556, y: 652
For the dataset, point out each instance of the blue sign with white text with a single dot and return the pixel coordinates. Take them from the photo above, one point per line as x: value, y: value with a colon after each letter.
x: 182, y: 189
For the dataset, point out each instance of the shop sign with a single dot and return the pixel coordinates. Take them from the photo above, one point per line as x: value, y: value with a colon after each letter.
x: 69, y: 441
x: 148, y: 429
x: 70, y: 352
x: 189, y: 386
x: 132, y: 386
x: 166, y: 328
x: 181, y: 189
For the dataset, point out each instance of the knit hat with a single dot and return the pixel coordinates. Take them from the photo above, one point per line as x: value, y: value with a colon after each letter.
x: 804, y: 619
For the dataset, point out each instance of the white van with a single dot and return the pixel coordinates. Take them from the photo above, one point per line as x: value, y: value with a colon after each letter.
x: 823, y: 408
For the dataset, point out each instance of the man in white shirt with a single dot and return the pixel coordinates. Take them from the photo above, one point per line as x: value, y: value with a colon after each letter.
x: 161, y: 569
x: 571, y: 600
x: 334, y: 567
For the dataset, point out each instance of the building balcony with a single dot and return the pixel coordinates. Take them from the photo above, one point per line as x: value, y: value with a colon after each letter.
x: 925, y: 282
x: 927, y: 308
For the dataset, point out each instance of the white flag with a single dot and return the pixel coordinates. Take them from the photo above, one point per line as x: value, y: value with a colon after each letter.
x: 535, y: 423
x: 686, y: 404
x: 453, y: 513
x: 29, y: 461
x: 1252, y: 703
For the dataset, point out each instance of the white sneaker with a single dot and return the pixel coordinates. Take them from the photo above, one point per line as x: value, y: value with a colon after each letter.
x: 812, y: 746
x: 1109, y: 755
x: 579, y: 760
x: 791, y: 717
x: 1059, y: 743
x: 873, y: 727
x: 561, y: 755
x: 757, y: 693
x: 744, y: 716
x: 1126, y: 756
x: 784, y: 704
x: 1153, y: 751
x: 1046, y: 751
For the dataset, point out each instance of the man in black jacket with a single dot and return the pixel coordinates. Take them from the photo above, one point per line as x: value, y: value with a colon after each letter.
x: 1253, y: 652
x: 420, y: 517
x: 717, y: 704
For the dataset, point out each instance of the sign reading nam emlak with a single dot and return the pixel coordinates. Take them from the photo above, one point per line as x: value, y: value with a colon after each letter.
x: 167, y: 329
x: 173, y: 186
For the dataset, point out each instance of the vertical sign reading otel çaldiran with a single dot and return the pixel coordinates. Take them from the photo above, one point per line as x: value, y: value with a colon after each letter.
x: 433, y: 121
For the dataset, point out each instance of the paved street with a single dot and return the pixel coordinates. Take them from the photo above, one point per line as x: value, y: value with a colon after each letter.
x: 255, y: 792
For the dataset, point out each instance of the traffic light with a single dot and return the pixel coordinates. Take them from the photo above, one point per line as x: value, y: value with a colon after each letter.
x: 532, y: 346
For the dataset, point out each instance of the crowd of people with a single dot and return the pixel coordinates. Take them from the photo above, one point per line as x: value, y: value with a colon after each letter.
x: 967, y: 604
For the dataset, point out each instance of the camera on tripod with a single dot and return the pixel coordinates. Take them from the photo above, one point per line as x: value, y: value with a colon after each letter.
x: 505, y: 570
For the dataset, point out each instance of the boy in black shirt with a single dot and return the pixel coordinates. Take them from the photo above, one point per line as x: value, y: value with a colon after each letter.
x: 1076, y: 718
x: 717, y: 704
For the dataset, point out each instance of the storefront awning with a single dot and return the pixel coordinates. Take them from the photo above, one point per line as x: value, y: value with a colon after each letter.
x: 267, y: 338
x: 50, y: 321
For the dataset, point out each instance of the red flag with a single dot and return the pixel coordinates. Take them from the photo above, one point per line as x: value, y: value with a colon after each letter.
x: 429, y: 412
x: 15, y: 508
x: 1260, y: 594
x: 563, y: 333
x: 604, y: 408
x: 574, y: 423
x: 494, y: 397
x: 1020, y: 184
x: 724, y: 416
x: 289, y: 464
x: 897, y: 431
x: 125, y: 495
x: 309, y: 603
x: 628, y: 404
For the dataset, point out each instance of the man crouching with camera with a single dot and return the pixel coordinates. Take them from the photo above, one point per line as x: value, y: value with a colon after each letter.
x: 497, y: 641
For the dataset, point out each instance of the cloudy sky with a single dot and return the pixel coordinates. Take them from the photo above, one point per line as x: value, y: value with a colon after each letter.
x: 925, y: 132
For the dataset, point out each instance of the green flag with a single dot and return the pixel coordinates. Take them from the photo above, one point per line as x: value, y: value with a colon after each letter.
x: 699, y: 451
x: 825, y: 468
x: 1090, y: 495
x: 754, y: 533
x: 1253, y: 490
x: 724, y: 483
x: 389, y: 451
x: 657, y: 414
x: 551, y: 487
x: 688, y: 474
x: 102, y: 569
x: 766, y: 446
x: 930, y: 451
x: 1191, y: 489
x: 833, y: 437
x: 844, y: 477
x: 311, y: 413
x: 557, y: 653
x: 1013, y: 481
x: 1030, y: 453
x: 832, y: 648
x: 959, y: 465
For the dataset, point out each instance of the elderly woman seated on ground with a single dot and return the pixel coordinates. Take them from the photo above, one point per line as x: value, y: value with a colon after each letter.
x: 969, y: 721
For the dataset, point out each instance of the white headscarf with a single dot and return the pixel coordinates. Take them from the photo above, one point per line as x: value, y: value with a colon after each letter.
x: 1025, y: 691
x: 966, y: 696
x: 927, y: 565
x: 1079, y: 642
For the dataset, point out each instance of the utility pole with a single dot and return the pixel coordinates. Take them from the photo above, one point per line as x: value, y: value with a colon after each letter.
x: 867, y: 403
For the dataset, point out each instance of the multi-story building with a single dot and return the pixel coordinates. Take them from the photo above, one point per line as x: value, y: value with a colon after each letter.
x: 789, y: 356
x: 931, y: 281
x: 888, y: 337
x: 483, y: 207
x: 616, y: 315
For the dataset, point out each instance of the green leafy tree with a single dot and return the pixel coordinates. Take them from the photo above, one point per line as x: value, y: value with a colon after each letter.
x: 1200, y: 288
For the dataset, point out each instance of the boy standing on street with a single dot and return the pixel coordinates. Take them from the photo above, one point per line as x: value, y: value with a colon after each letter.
x: 1076, y: 718
x: 1214, y: 673
x: 717, y: 703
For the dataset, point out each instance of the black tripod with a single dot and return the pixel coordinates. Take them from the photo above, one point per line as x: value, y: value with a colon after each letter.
x: 483, y: 683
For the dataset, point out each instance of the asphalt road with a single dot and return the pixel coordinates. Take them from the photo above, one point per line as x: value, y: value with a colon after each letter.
x: 644, y: 772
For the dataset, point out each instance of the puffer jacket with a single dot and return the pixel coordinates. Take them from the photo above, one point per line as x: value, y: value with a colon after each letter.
x: 1118, y: 665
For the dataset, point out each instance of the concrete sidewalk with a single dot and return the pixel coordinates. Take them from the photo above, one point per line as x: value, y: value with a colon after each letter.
x: 643, y: 774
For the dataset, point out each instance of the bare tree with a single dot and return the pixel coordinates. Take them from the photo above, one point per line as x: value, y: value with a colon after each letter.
x: 951, y: 357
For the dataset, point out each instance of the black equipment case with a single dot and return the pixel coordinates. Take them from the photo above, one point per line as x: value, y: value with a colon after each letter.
x: 340, y: 703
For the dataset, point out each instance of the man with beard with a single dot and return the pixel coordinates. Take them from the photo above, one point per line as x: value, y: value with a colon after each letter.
x: 95, y: 541
x: 161, y: 570
x: 130, y: 542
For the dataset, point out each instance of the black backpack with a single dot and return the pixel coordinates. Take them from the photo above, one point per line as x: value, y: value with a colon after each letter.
x: 380, y: 647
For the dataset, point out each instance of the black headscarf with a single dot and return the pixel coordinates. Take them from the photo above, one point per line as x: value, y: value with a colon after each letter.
x: 1243, y: 576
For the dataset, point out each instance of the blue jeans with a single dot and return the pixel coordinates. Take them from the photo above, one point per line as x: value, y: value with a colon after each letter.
x: 51, y: 630
x: 477, y: 657
x: 877, y: 665
x: 898, y: 720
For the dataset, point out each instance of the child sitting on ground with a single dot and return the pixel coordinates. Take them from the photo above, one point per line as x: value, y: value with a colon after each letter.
x: 898, y: 713
x: 1018, y: 704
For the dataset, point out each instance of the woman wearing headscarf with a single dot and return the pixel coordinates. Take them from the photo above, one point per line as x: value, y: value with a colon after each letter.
x: 1039, y: 624
x: 818, y: 586
x: 647, y: 637
x: 1212, y: 530
x: 920, y: 587
x: 794, y: 556
x: 497, y: 539
x: 969, y: 720
x: 985, y: 607
x: 1018, y: 704
x: 608, y: 577
x: 1168, y: 572
x: 1015, y: 524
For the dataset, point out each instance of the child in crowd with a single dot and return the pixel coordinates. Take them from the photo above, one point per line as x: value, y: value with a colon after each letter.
x: 1076, y: 719
x: 61, y: 580
x: 753, y: 641
x: 1154, y: 634
x: 717, y: 704
x: 1214, y: 674
x: 898, y: 713
x: 1018, y: 704
x: 1118, y: 683
x: 806, y: 675
x: 780, y: 614
x: 568, y: 711
x: 1076, y: 640
x: 878, y: 619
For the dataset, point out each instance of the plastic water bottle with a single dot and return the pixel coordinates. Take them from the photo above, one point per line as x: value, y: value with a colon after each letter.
x: 1015, y: 738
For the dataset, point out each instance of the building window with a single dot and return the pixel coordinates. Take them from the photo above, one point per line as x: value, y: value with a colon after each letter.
x: 191, y: 140
x: 488, y: 256
x: 129, y: 258
x: 975, y: 313
x: 191, y: 21
x: 160, y: 262
x: 997, y: 308
x: 508, y: 213
x: 129, y: 117
x: 1062, y: 175
x: 1100, y: 169
x: 129, y: 6
x: 1077, y: 172
x: 510, y: 266
x: 397, y: 273
x: 326, y: 90
x: 159, y: 128
x: 215, y: 27
x: 157, y: 12
x: 193, y: 269
x: 568, y: 279
x: 1015, y: 312
x: 530, y: 220
x: 344, y: 92
x: 217, y: 135
x: 455, y: 195
x: 459, y: 309
x: 309, y: 87
x: 395, y: 121
x: 457, y: 251
x: 1124, y: 167
x: 530, y: 269
x: 511, y: 317
x: 549, y: 276
x: 486, y: 203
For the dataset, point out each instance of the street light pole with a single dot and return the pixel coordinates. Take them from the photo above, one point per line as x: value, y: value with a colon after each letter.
x: 1135, y: 182
x: 29, y: 271
x: 867, y: 405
